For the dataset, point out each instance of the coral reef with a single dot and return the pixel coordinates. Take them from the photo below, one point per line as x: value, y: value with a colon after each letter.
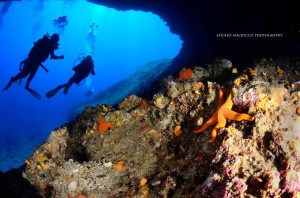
x: 148, y: 148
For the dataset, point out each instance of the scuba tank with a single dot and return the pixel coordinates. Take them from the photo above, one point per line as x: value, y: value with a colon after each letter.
x: 83, y: 68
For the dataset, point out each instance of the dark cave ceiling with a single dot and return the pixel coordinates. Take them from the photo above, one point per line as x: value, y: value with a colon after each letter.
x: 198, y: 23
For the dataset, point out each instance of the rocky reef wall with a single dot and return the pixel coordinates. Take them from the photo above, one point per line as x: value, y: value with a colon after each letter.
x: 149, y: 148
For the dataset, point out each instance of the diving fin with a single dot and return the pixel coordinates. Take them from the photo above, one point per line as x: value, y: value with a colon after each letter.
x: 51, y: 93
x: 34, y: 93
x: 54, y: 91
x: 66, y: 90
x: 8, y: 84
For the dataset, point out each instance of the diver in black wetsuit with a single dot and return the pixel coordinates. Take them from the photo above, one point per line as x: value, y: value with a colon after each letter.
x: 38, y: 54
x: 82, y: 70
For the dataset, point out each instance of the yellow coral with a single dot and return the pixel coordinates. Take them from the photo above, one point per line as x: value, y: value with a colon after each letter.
x: 41, y: 160
x: 196, y: 86
x: 273, y: 100
x: 279, y: 71
x: 28, y: 162
x: 295, y: 146
x: 158, y: 101
x: 144, y: 192
x: 234, y: 70
x: 119, y: 166
x: 152, y: 131
x: 265, y: 103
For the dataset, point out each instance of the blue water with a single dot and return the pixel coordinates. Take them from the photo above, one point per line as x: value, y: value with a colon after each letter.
x: 120, y: 42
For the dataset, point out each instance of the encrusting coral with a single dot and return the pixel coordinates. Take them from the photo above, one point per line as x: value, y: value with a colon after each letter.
x: 151, y: 151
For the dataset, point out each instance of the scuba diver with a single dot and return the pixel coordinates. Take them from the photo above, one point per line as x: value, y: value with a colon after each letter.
x: 38, y: 54
x: 60, y: 23
x: 82, y: 70
x: 89, y: 92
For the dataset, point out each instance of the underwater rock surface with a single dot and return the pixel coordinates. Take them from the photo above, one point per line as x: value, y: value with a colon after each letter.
x: 147, y: 148
x: 137, y: 83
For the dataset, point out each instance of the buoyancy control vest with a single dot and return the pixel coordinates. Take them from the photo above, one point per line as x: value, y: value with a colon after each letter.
x: 42, y: 48
x: 84, y: 68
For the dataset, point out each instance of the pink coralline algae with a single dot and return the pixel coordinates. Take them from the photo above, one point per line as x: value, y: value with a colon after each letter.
x: 250, y: 97
x: 232, y: 188
x: 292, y: 186
x: 247, y: 98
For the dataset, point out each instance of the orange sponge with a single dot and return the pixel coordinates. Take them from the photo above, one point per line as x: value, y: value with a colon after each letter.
x: 103, y: 125
x: 185, y: 74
